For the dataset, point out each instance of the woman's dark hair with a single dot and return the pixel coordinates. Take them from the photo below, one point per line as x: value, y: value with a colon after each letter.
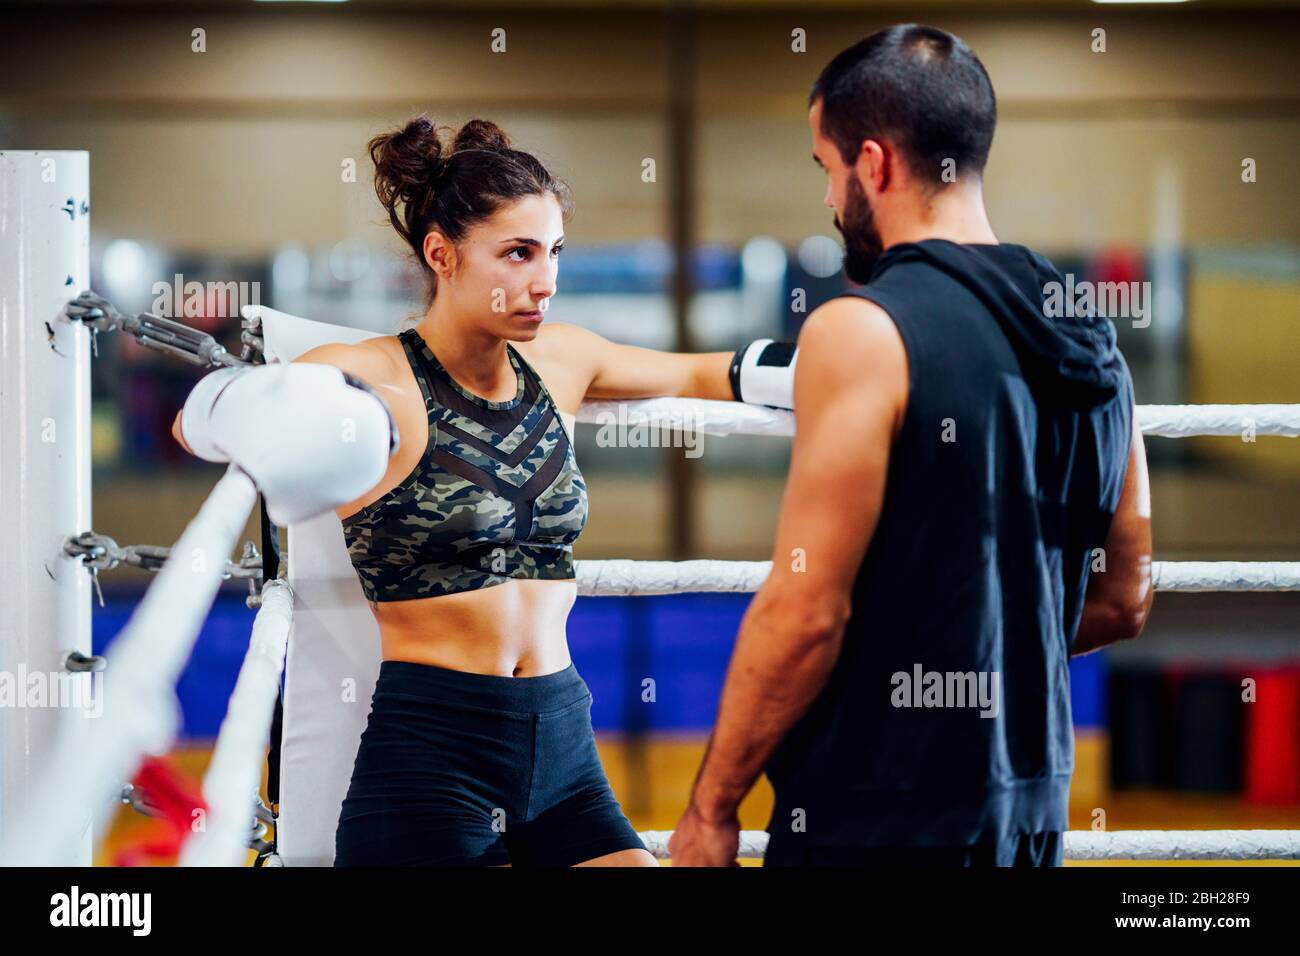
x: 921, y: 88
x: 453, y: 189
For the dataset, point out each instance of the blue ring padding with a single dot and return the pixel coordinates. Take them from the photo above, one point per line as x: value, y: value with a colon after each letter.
x: 681, y: 642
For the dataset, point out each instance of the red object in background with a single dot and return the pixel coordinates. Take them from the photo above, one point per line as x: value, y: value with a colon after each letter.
x: 1272, y: 771
x: 1117, y: 264
x: 173, y: 795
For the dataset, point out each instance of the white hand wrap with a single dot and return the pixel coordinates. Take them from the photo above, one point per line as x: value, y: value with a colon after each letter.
x: 310, y: 437
x: 762, y: 373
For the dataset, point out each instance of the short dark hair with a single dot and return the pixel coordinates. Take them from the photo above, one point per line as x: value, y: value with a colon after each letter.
x: 919, y: 87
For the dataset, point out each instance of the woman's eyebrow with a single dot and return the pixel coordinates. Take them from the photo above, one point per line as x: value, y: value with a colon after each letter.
x: 521, y: 241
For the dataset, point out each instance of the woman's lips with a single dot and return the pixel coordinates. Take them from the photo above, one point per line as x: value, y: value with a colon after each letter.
x: 534, y: 316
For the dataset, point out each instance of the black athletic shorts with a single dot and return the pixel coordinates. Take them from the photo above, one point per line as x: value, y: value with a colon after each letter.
x: 1021, y: 849
x: 462, y: 769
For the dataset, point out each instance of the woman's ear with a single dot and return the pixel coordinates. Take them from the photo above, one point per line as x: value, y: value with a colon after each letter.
x: 439, y: 254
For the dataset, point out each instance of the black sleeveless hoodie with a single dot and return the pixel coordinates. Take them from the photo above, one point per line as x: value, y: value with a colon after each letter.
x: 1003, y: 480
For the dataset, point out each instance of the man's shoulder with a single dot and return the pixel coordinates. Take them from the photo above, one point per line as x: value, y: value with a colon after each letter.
x: 848, y: 321
x: 853, y: 343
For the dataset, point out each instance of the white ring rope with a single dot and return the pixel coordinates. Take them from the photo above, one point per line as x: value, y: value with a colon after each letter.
x: 621, y: 577
x: 1183, y: 845
x: 1226, y: 575
x: 1091, y: 845
x: 624, y: 578
x: 140, y: 711
x: 1184, y: 421
x: 736, y: 418
x: 691, y: 414
x: 234, y: 777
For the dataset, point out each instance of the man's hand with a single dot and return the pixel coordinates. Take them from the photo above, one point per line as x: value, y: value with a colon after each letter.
x: 697, y: 842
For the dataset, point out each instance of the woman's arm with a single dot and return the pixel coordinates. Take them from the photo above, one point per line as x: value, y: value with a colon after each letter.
x: 310, y: 435
x: 369, y: 364
x: 615, y: 371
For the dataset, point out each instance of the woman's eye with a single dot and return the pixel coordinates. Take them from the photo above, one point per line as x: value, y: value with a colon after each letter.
x: 557, y: 250
x: 522, y: 250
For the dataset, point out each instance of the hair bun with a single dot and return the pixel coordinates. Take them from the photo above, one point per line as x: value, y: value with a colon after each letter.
x: 406, y: 161
x: 481, y: 134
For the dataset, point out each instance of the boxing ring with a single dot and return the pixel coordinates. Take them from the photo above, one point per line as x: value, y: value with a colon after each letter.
x: 313, y: 628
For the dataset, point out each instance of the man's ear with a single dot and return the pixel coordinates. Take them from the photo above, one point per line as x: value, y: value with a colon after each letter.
x: 875, y: 165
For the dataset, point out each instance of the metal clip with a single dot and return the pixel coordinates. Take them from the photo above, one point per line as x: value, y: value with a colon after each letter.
x: 152, y: 331
x: 78, y: 662
x: 138, y: 800
x: 96, y: 551
x: 251, y: 339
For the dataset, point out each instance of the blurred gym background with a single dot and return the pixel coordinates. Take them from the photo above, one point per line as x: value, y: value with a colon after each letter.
x: 1162, y: 148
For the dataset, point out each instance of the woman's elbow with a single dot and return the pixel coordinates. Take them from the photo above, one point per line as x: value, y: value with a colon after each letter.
x: 178, y: 435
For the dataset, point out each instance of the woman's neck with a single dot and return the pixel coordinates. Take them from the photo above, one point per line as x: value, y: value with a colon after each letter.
x: 474, y: 358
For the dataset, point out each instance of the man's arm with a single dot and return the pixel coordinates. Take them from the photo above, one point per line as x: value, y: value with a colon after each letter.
x: 850, y: 394
x: 1119, y: 598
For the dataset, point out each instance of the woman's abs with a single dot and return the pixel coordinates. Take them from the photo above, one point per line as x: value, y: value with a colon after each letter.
x: 515, y: 629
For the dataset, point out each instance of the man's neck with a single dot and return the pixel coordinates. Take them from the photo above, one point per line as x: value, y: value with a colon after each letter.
x: 956, y: 214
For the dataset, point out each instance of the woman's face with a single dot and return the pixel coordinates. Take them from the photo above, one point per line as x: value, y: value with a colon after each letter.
x: 504, y: 270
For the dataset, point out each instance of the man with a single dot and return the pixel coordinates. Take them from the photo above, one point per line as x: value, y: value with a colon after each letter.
x: 961, y: 463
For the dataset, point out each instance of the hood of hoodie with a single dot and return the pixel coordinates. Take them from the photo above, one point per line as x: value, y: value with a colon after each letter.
x: 1075, y: 357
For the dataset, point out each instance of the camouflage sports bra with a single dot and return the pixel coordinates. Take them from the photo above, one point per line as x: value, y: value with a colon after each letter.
x: 496, y: 495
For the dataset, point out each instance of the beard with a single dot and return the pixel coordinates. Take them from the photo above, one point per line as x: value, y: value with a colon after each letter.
x: 862, y: 244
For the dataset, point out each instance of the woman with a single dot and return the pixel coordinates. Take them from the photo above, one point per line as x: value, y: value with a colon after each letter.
x: 479, y: 747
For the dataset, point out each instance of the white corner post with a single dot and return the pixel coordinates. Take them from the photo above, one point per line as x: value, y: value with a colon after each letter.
x: 44, y: 476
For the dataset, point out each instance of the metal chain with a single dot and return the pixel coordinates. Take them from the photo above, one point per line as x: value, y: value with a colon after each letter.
x: 99, y: 552
x: 162, y: 334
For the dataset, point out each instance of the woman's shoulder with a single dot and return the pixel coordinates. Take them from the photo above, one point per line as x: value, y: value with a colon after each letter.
x: 562, y: 343
x: 372, y: 358
x: 565, y: 335
x: 562, y: 355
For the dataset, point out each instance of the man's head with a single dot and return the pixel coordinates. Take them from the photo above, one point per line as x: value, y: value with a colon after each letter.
x: 896, y: 119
